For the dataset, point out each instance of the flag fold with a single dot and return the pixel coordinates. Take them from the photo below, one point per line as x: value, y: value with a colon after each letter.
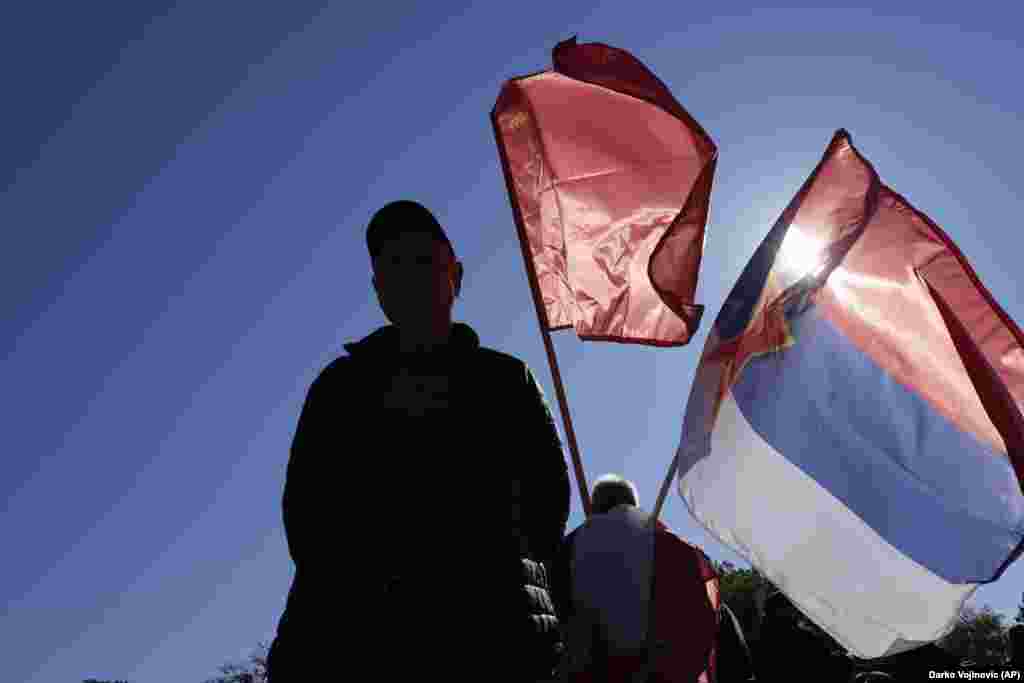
x: 854, y: 427
x: 609, y: 178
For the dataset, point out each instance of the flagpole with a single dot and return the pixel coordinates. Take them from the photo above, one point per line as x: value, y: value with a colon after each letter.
x: 664, y: 489
x: 563, y: 404
x: 538, y: 303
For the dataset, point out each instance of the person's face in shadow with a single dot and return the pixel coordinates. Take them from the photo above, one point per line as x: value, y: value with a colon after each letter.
x: 416, y: 278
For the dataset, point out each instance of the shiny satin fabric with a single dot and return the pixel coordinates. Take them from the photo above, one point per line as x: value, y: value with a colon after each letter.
x: 610, y: 180
x: 899, y: 288
x: 893, y: 340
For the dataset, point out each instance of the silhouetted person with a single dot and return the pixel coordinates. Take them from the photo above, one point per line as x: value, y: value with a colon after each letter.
x: 792, y: 647
x: 734, y: 662
x: 425, y: 486
x: 1015, y: 636
x: 872, y: 676
x: 913, y: 664
x: 602, y: 583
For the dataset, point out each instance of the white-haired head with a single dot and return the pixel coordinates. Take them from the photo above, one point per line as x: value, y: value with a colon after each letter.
x: 611, y: 490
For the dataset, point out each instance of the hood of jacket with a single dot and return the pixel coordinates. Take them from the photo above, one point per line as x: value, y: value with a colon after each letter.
x: 384, y: 342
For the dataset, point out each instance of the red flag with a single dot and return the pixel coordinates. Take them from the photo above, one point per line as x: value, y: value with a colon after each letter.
x: 609, y: 178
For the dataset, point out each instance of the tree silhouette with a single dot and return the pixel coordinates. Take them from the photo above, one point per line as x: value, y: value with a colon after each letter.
x: 979, y: 637
x: 744, y: 591
x: 252, y: 671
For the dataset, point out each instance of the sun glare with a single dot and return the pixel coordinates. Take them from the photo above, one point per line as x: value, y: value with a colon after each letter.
x: 800, y: 254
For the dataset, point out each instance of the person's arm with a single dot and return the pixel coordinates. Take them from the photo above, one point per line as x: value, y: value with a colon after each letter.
x: 561, y: 580
x: 296, y: 503
x: 546, y: 491
x: 735, y: 662
x: 302, y: 502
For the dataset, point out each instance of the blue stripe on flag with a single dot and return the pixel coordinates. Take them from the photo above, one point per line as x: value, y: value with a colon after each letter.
x: 929, y: 489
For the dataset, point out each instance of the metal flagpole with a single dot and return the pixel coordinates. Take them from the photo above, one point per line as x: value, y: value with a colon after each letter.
x: 542, y: 321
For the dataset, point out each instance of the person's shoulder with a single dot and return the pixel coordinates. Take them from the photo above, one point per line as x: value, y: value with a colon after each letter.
x: 683, y: 549
x: 664, y: 531
x: 374, y: 346
x: 493, y: 363
x: 338, y: 366
x: 487, y: 358
x: 676, y: 539
x: 333, y: 373
x: 491, y: 355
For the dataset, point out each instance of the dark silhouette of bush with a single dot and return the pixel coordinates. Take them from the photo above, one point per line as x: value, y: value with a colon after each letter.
x: 252, y: 671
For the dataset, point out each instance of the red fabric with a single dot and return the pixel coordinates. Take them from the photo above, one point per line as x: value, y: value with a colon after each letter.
x: 686, y: 601
x: 609, y: 179
x: 879, y: 259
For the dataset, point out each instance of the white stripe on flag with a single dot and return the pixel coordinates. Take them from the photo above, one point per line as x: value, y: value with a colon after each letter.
x: 870, y: 597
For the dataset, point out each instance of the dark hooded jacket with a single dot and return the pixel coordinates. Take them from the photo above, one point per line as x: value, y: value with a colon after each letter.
x: 423, y: 493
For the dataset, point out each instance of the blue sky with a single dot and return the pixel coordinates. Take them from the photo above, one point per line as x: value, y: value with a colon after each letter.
x: 183, y: 194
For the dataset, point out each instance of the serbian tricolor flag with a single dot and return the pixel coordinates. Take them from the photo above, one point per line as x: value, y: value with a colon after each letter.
x: 854, y: 428
x: 609, y: 178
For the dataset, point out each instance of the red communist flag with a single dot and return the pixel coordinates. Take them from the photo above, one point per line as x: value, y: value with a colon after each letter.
x: 609, y: 178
